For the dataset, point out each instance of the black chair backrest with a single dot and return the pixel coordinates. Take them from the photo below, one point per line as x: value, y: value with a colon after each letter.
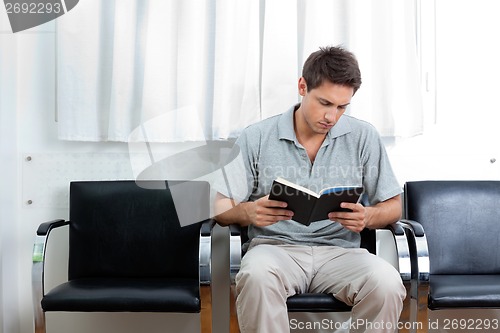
x: 120, y: 229
x: 461, y: 221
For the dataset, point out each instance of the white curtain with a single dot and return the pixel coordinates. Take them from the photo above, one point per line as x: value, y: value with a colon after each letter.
x: 173, y: 71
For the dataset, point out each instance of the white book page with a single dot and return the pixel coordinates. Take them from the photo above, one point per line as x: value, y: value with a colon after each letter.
x: 298, y: 187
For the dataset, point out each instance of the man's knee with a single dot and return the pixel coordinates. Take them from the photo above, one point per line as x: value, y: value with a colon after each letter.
x: 262, y: 275
x: 386, y: 284
x: 252, y: 274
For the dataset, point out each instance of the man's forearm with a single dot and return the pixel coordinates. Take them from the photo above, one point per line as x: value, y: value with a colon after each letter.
x: 384, y: 213
x: 227, y: 212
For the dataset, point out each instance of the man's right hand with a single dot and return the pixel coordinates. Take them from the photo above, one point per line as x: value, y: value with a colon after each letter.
x: 264, y: 212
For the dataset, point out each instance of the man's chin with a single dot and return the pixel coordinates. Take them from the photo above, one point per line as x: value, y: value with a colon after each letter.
x: 322, y: 130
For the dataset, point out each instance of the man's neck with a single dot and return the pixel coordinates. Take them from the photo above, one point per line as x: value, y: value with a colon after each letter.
x: 310, y: 140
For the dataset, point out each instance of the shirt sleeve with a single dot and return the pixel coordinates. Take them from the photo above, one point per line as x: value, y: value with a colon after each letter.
x: 379, y: 179
x: 236, y: 177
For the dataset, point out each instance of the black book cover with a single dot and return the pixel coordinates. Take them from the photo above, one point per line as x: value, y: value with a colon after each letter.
x: 309, y: 206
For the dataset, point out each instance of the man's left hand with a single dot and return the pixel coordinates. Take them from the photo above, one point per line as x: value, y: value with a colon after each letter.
x: 355, y: 220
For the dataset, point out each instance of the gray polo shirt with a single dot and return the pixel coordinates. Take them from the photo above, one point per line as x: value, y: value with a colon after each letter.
x: 351, y: 154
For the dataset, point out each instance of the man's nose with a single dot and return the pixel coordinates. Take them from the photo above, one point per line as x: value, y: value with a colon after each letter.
x: 331, y: 114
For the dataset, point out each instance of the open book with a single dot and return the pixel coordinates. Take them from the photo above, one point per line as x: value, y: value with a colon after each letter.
x: 309, y: 206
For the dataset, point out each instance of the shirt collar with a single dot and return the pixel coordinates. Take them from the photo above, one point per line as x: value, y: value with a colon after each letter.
x: 285, y: 125
x: 286, y: 128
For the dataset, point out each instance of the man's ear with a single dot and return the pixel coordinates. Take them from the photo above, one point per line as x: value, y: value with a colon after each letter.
x: 302, y: 86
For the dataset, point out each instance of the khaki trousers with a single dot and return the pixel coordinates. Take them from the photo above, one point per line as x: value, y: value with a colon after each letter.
x: 271, y: 272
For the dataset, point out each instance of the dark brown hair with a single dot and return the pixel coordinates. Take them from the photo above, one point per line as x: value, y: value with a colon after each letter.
x: 333, y: 64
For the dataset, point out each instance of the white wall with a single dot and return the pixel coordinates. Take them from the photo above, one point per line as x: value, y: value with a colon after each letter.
x: 459, y: 142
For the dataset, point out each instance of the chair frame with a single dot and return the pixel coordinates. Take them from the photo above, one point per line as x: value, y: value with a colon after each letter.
x: 419, y: 253
x: 38, y: 270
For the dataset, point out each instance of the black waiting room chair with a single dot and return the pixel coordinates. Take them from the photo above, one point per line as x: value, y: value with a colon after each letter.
x: 129, y: 251
x: 311, y: 302
x: 456, y: 228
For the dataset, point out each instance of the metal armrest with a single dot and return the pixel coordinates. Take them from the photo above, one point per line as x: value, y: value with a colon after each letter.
x: 418, y: 247
x: 205, y: 253
x: 234, y: 251
x: 44, y: 228
x: 37, y: 270
x: 40, y: 245
x: 402, y: 249
x: 419, y: 254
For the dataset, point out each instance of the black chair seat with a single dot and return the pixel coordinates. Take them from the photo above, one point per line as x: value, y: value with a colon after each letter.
x: 464, y: 291
x: 129, y: 295
x: 315, y: 303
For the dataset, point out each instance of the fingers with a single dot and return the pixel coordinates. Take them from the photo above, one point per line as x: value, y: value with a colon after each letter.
x: 354, y: 220
x: 268, y: 212
x: 271, y: 215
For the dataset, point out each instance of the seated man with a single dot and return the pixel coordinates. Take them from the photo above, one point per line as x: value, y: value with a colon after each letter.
x: 314, y: 145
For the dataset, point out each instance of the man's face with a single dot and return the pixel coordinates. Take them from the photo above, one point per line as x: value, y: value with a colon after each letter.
x: 323, y: 105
